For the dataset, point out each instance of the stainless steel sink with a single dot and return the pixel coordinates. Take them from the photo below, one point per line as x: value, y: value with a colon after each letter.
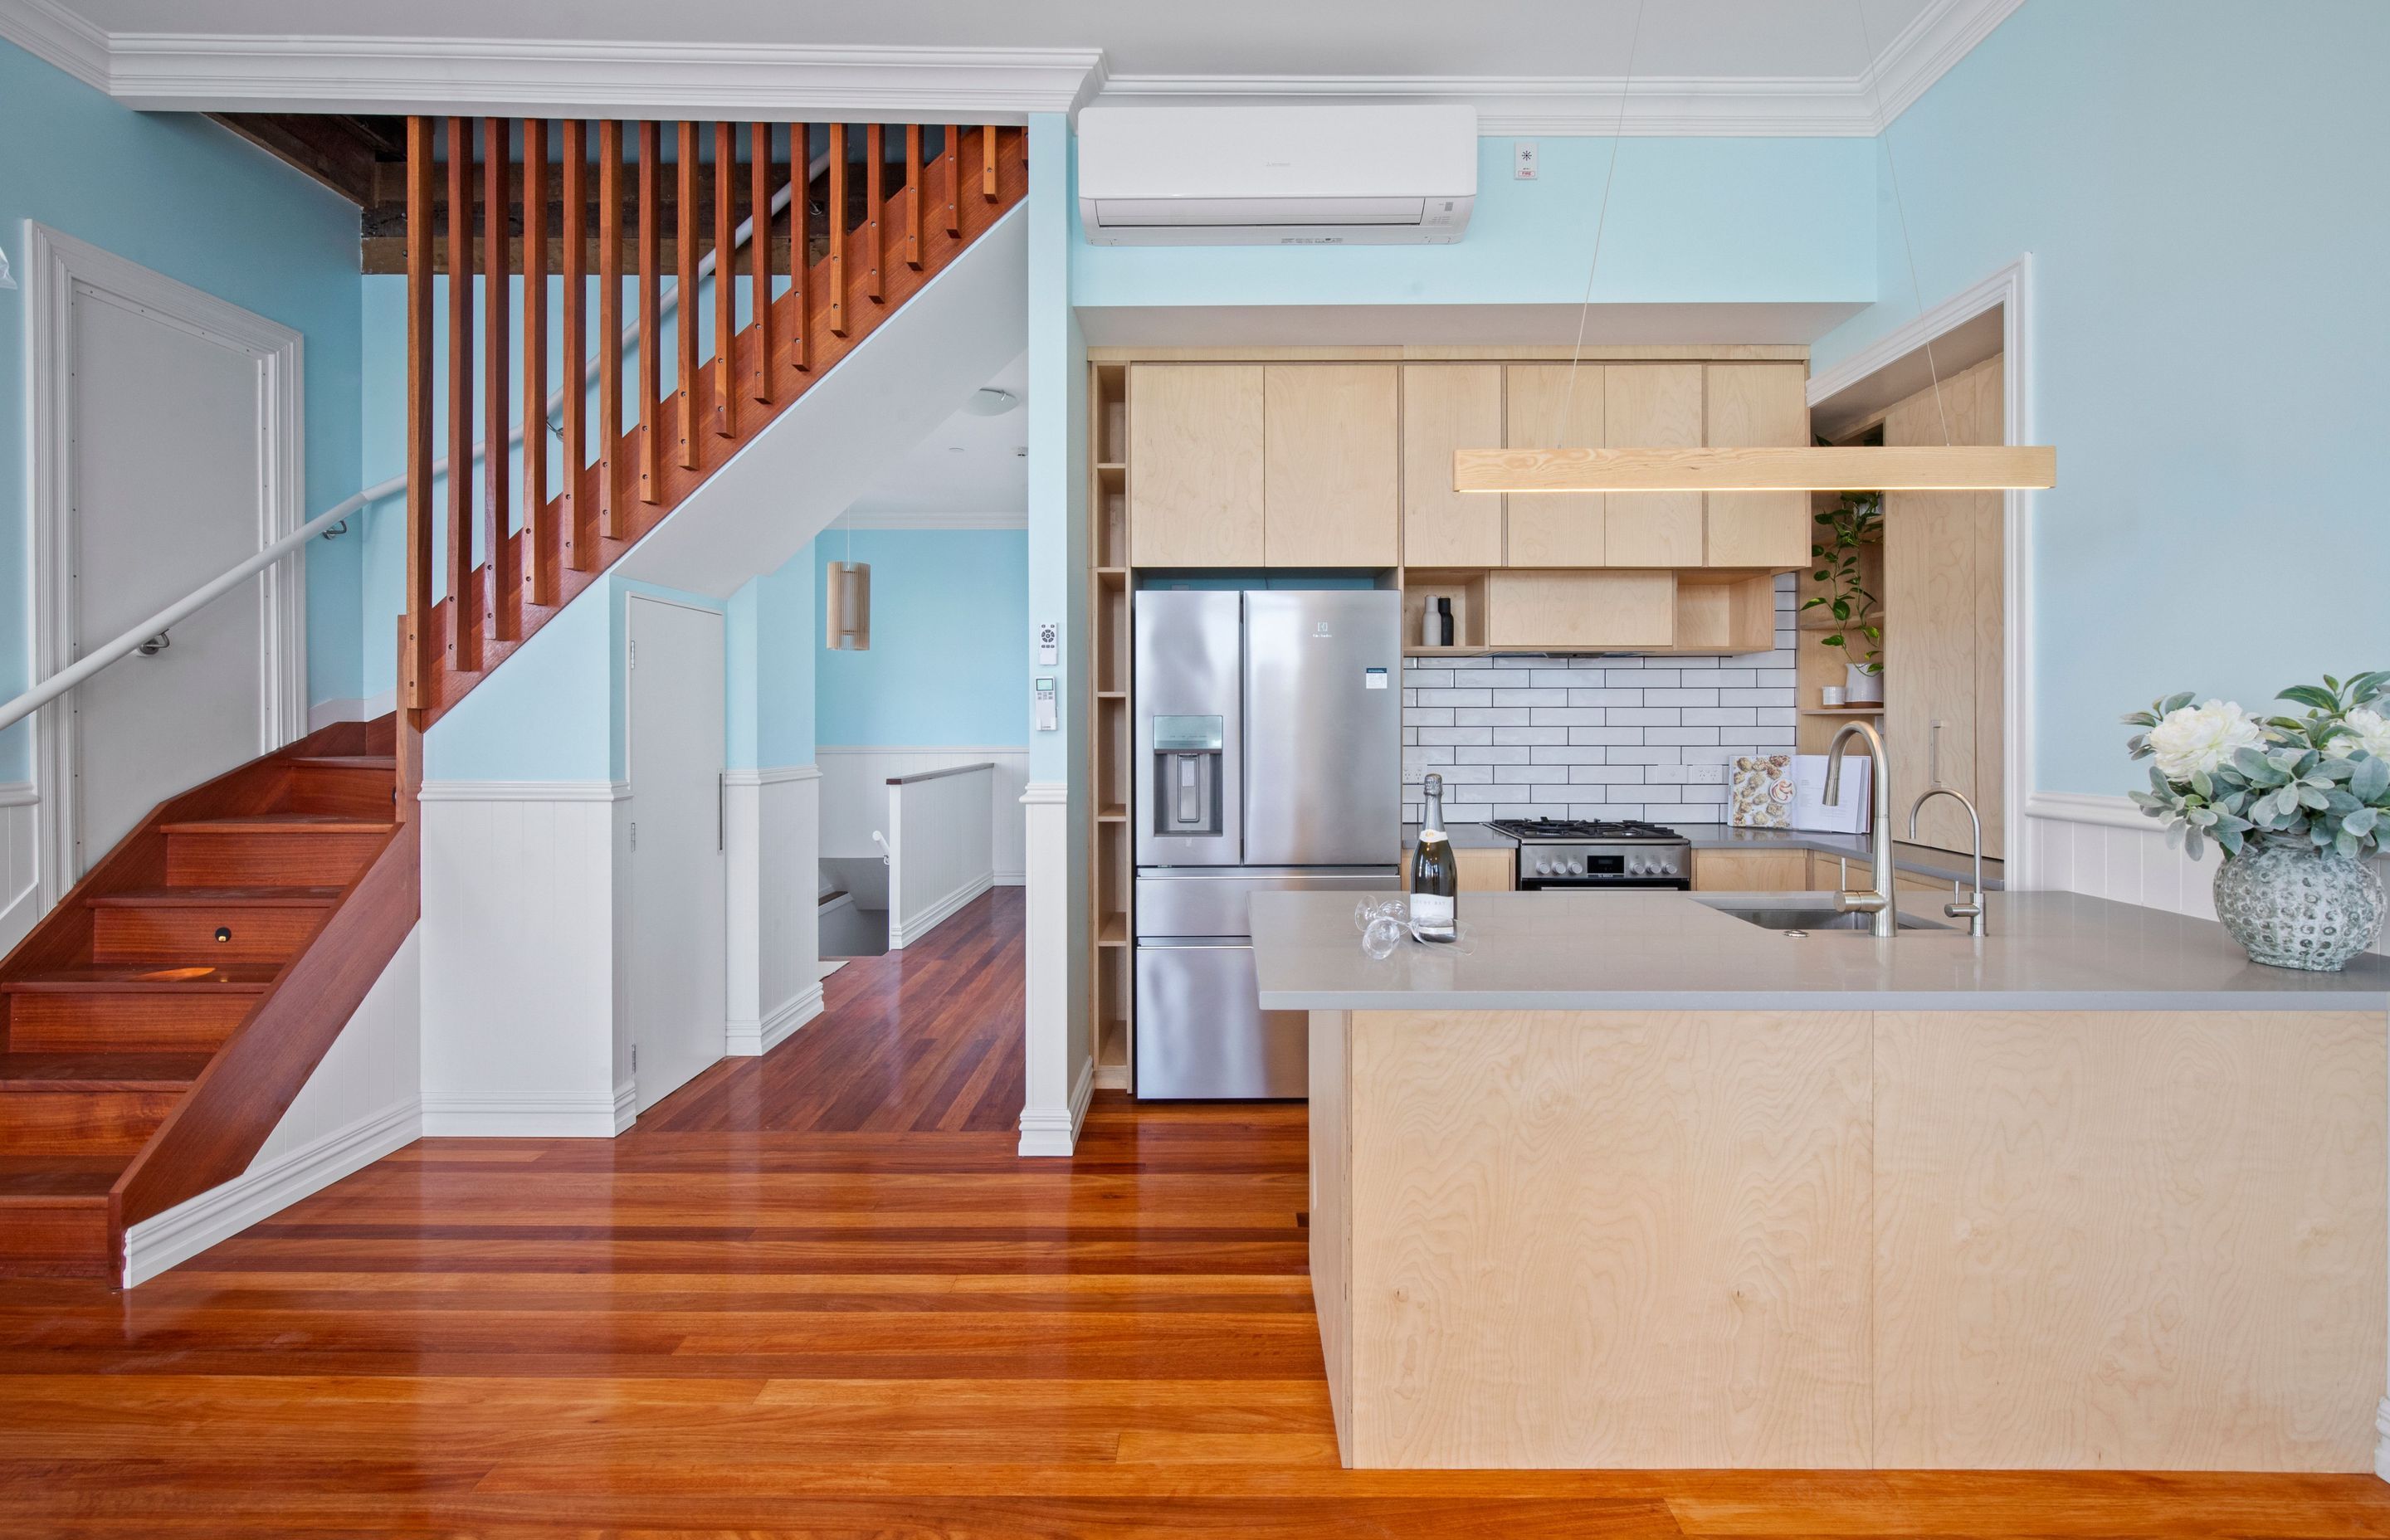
x: 1791, y: 919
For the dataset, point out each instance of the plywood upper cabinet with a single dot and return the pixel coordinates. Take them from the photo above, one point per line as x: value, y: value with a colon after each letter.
x: 1761, y: 406
x: 1652, y: 407
x: 1333, y: 457
x: 1544, y: 410
x: 1195, y: 481
x: 1449, y: 406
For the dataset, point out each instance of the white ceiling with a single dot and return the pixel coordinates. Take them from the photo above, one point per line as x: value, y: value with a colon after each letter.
x: 1814, y: 67
x: 969, y: 474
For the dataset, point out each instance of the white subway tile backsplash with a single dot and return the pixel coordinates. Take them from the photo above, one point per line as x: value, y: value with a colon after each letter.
x: 1596, y: 735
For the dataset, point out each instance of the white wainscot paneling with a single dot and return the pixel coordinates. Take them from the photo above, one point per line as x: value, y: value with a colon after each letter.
x: 522, y: 971
x: 854, y: 798
x: 774, y: 837
x: 20, y: 899
x: 2106, y: 847
x: 940, y: 848
x: 361, y: 1102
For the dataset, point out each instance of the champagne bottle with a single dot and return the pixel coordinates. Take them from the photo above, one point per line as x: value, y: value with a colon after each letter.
x: 1435, y: 880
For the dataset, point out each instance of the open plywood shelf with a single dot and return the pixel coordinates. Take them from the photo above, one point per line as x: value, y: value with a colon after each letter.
x: 1842, y: 710
x: 1728, y: 611
x: 1112, y: 979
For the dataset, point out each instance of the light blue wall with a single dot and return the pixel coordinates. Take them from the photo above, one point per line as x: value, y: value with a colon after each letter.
x: 550, y: 713
x: 1692, y: 221
x: 947, y: 664
x: 787, y: 635
x: 2206, y: 194
x: 175, y: 193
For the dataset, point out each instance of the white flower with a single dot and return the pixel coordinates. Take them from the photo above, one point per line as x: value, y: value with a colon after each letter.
x: 2368, y: 729
x: 2193, y: 739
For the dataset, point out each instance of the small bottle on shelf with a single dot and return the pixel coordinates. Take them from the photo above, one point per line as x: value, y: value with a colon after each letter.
x: 1435, y: 879
x: 1431, y: 625
x: 1443, y: 612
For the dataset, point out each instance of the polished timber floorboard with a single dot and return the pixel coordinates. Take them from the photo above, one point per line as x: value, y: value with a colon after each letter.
x: 817, y: 1294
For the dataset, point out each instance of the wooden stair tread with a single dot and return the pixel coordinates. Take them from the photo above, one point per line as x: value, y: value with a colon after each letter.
x: 213, y: 898
x: 282, y: 823
x: 348, y: 762
x: 231, y: 978
x: 79, y: 1178
x: 100, y: 1071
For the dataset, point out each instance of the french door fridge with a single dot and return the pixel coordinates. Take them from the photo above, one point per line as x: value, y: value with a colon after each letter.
x: 1268, y: 756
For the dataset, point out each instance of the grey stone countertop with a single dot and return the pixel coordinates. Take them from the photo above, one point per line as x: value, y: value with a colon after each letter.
x: 1909, y: 858
x: 1666, y: 951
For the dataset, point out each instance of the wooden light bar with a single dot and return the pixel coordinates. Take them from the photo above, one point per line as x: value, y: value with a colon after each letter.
x: 1843, y: 468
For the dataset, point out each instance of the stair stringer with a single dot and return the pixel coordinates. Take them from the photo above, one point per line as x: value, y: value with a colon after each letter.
x: 912, y: 372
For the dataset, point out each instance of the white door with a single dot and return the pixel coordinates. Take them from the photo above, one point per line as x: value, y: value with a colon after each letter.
x: 678, y: 1005
x: 174, y: 421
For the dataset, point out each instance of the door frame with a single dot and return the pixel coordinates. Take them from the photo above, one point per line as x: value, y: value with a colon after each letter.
x: 57, y: 266
x: 2009, y: 292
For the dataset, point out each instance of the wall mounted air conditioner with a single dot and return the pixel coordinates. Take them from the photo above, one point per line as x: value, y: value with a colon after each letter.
x: 1276, y: 175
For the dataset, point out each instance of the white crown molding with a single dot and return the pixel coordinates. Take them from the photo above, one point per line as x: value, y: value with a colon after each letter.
x: 50, y: 32
x: 892, y: 519
x: 192, y: 71
x: 1656, y: 106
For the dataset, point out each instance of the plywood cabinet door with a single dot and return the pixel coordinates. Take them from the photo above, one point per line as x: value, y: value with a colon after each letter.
x: 1195, y: 483
x: 1751, y: 871
x: 1652, y: 407
x: 1757, y: 406
x: 1543, y: 410
x: 1449, y: 406
x: 1332, y: 461
x: 1942, y: 607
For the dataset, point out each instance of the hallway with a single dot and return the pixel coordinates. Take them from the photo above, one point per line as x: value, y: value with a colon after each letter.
x: 819, y: 1293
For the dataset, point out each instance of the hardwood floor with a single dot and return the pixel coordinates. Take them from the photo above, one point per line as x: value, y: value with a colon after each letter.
x: 817, y: 1294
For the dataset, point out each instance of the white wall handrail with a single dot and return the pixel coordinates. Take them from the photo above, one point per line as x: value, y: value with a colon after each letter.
x: 91, y: 662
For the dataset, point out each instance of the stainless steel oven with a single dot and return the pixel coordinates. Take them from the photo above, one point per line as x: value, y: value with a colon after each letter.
x: 1582, y: 854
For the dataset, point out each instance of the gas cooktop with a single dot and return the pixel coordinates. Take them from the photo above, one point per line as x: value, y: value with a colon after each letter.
x: 1553, y: 830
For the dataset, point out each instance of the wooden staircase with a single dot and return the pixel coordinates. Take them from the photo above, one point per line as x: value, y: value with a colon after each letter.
x: 867, y: 226
x: 156, y: 1023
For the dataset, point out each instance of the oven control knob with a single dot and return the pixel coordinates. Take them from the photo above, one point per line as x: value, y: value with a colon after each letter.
x: 1637, y: 867
x: 1577, y: 868
x: 1543, y: 868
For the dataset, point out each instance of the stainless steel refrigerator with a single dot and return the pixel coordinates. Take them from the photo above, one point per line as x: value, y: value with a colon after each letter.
x: 1269, y: 755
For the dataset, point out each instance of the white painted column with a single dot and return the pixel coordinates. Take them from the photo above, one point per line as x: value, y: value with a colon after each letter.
x: 1055, y: 1100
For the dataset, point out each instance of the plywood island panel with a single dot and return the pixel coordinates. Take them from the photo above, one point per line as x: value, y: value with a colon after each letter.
x: 1945, y: 1238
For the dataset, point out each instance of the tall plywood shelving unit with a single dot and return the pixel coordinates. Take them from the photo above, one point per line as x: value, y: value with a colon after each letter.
x: 1112, y: 853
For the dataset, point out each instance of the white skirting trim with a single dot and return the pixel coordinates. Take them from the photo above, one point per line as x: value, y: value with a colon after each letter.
x: 351, y: 708
x: 524, y: 791
x: 1047, y: 1134
x: 2081, y: 807
x: 901, y: 936
x: 529, y: 1115
x: 188, y: 1228
x: 749, y: 1038
x: 1011, y: 880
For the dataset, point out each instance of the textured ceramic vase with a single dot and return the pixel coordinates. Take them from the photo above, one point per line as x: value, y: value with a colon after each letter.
x: 2294, y: 906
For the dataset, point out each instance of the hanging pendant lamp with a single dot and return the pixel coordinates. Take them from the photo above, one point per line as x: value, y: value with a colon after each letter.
x: 1832, y: 468
x: 848, y: 610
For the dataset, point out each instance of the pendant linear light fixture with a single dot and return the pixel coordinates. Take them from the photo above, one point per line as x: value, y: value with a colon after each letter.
x: 1834, y: 467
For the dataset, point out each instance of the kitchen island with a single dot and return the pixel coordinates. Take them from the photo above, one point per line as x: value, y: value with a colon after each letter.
x: 1629, y: 1180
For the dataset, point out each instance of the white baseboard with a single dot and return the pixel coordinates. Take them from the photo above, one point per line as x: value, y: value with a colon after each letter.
x: 749, y: 1038
x: 1047, y: 1134
x: 529, y: 1115
x: 901, y: 936
x: 1011, y: 880
x: 190, y: 1228
x: 351, y: 708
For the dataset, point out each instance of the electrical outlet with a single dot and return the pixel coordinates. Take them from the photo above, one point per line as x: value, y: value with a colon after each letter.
x: 1522, y: 162
x: 1705, y: 775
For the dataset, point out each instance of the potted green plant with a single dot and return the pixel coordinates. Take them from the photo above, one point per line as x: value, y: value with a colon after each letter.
x: 2297, y: 803
x: 1848, y: 529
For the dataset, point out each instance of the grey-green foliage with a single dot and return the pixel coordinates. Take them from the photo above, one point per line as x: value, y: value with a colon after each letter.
x: 1854, y: 523
x: 2296, y: 787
